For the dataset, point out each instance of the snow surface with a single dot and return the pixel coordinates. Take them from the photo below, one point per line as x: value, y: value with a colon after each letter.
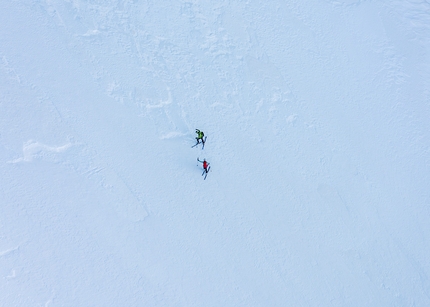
x: 317, y: 116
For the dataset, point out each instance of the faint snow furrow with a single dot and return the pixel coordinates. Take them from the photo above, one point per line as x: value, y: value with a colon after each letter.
x: 32, y: 149
x: 9, y: 251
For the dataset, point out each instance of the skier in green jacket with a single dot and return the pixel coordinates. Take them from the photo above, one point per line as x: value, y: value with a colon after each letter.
x: 200, y: 138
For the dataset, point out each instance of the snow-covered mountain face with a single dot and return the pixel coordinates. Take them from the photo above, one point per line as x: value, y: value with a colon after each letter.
x: 317, y: 122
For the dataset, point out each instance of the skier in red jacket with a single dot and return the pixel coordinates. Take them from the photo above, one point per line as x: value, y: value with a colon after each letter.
x: 206, y: 167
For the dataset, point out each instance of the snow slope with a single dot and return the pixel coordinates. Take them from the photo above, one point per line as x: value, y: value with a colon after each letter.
x: 317, y: 117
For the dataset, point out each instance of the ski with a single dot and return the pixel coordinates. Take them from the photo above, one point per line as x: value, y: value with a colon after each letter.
x: 206, y: 173
x: 203, y: 143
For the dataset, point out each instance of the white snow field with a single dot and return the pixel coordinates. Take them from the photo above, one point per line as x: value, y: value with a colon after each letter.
x: 317, y: 115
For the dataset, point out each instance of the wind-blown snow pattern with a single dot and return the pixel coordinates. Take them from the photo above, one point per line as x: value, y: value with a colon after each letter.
x: 317, y: 118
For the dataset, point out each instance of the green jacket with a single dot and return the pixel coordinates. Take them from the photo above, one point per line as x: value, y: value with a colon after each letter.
x: 200, y: 134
